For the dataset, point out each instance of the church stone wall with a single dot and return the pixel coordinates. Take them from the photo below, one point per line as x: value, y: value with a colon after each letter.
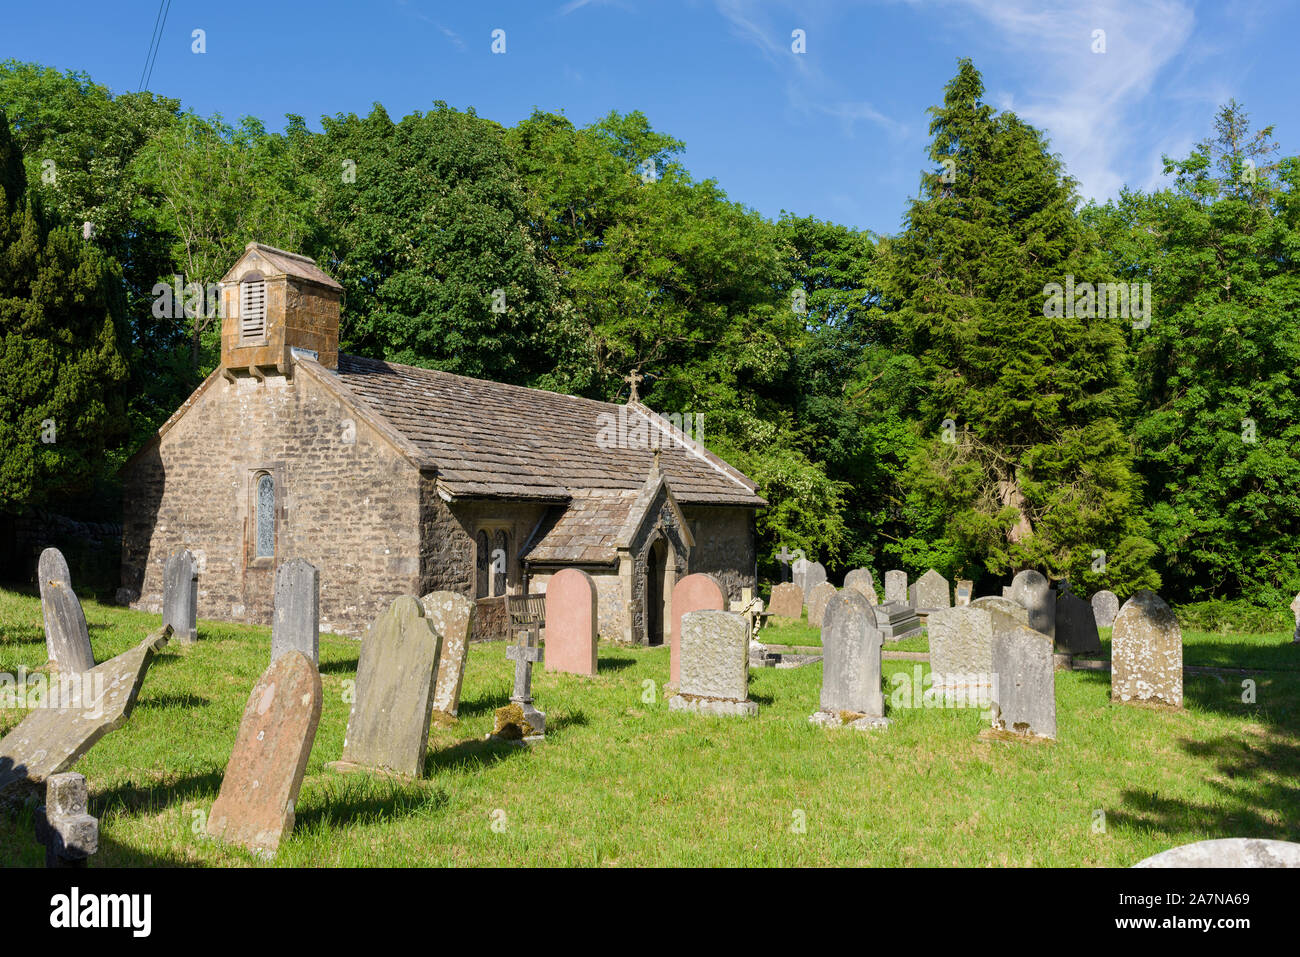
x: 725, y: 545
x: 346, y: 501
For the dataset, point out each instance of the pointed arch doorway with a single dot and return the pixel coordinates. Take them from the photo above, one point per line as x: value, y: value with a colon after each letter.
x: 658, y: 592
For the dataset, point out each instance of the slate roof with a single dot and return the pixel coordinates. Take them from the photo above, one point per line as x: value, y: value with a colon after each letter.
x: 489, y: 439
x: 581, y: 534
x: 283, y: 262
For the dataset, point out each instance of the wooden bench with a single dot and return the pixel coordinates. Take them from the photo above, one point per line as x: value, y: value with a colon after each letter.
x: 527, y: 612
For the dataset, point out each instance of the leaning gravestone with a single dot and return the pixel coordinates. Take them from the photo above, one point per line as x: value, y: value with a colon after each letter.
x: 1024, y: 684
x: 181, y: 596
x: 851, y: 693
x: 1146, y: 652
x: 296, y: 623
x: 1031, y: 589
x: 452, y: 617
x: 787, y: 601
x: 1076, y: 626
x: 698, y: 592
x: 255, y: 807
x: 388, y: 729
x: 67, y: 639
x: 817, y: 600
x: 92, y: 703
x: 1105, y: 606
x: 571, y: 622
x: 1295, y: 610
x: 961, y: 653
x: 930, y: 592
x: 965, y: 591
x: 1228, y: 852
x: 715, y: 665
x: 896, y: 586
x: 860, y: 580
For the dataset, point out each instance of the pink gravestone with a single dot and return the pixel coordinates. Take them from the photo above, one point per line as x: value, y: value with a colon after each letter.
x: 698, y: 592
x: 571, y: 622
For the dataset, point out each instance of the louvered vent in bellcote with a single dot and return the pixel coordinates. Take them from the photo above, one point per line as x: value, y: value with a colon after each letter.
x: 276, y: 302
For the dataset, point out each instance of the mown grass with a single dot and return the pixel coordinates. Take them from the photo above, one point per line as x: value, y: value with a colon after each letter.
x: 621, y: 780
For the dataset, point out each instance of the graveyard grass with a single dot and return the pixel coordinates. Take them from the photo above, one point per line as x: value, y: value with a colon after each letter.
x: 620, y: 780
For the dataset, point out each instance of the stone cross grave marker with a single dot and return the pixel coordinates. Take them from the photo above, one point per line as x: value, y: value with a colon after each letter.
x: 452, y: 616
x: 181, y: 596
x: 388, y: 729
x: 259, y: 793
x: 69, y: 834
x: 896, y: 586
x: 519, y: 720
x: 715, y: 665
x: 851, y: 692
x: 1105, y: 606
x: 1147, y: 653
x: 296, y: 623
x: 67, y: 639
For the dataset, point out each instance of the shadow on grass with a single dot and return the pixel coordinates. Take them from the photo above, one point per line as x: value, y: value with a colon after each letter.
x: 357, y: 796
x: 484, y: 703
x: 173, y: 701
x: 613, y: 664
x: 481, y: 752
x: 346, y: 666
x: 129, y: 797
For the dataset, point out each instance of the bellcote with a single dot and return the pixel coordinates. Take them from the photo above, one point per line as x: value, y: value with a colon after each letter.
x: 273, y: 302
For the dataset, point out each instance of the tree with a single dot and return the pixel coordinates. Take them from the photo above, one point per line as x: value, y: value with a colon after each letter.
x: 61, y: 373
x: 1018, y: 432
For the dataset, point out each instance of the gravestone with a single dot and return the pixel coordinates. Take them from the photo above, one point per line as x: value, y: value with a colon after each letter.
x: 961, y: 653
x: 787, y: 601
x: 1295, y: 610
x: 860, y: 580
x: 1031, y: 590
x: 452, y: 617
x: 295, y: 626
x: 698, y: 592
x: 1146, y: 652
x: 255, y: 807
x: 814, y: 575
x: 1076, y: 626
x: 519, y: 720
x: 965, y: 592
x: 1105, y: 606
x: 1228, y: 852
x: 571, y: 622
x: 851, y: 692
x: 817, y: 600
x: 897, y: 620
x: 930, y: 592
x: 388, y: 729
x: 1016, y: 612
x: 1024, y: 685
x: 715, y: 665
x: 181, y: 596
x: 69, y: 834
x: 67, y: 639
x: 93, y: 703
x: 896, y: 586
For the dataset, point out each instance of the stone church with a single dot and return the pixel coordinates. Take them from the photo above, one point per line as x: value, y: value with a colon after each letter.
x: 395, y: 480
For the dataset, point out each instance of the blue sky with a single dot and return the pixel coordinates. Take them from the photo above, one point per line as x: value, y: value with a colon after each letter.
x: 839, y: 132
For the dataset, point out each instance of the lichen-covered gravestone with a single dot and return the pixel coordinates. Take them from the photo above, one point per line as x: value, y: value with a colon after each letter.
x: 787, y: 601
x: 1105, y: 606
x: 961, y: 653
x: 1024, y: 685
x: 67, y: 640
x: 388, y: 729
x: 715, y: 665
x: 1032, y: 590
x: 896, y: 586
x: 817, y: 600
x: 571, y: 622
x: 930, y: 593
x: 1146, y: 653
x: 1228, y: 852
x: 851, y: 694
x: 1076, y: 626
x: 92, y: 703
x: 860, y: 580
x: 452, y: 617
x: 181, y: 596
x: 698, y: 592
x: 259, y: 792
x: 295, y: 626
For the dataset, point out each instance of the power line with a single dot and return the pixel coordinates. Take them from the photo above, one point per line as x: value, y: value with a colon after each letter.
x: 158, y: 45
x: 152, y: 40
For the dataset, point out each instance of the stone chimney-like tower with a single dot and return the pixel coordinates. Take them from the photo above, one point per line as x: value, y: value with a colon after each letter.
x: 274, y: 302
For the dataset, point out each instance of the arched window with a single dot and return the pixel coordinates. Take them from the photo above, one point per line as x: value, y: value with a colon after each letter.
x: 500, y: 555
x: 252, y: 306
x: 481, y: 565
x: 265, y: 501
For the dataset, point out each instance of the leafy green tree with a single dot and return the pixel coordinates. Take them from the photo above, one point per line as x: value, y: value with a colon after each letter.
x: 1018, y: 433
x: 61, y: 373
